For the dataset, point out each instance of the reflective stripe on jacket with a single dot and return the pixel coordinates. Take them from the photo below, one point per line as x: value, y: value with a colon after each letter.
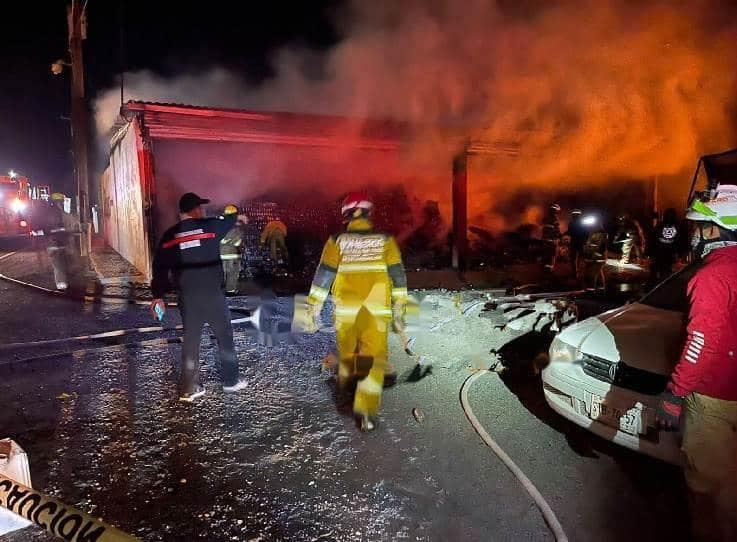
x: 708, y: 363
x: 362, y: 268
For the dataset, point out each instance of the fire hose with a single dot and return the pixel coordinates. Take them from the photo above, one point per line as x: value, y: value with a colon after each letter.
x: 259, y: 320
x: 540, y: 502
x: 57, y: 518
x: 86, y: 297
x: 80, y: 351
x: 104, y: 335
x: 253, y: 320
x: 97, y: 299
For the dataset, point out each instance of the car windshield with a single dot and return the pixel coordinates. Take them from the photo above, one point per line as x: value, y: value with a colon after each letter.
x: 671, y: 293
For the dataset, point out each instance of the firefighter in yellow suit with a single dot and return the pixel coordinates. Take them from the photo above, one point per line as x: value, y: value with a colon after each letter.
x: 363, y: 269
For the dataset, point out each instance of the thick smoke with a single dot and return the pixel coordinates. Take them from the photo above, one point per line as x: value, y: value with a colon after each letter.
x: 588, y: 91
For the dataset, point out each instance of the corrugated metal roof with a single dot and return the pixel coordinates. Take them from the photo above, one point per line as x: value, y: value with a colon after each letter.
x: 184, y: 122
x: 250, y: 114
x: 196, y: 123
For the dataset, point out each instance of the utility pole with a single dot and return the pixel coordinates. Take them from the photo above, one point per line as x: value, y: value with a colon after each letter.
x: 460, y: 209
x: 77, y: 24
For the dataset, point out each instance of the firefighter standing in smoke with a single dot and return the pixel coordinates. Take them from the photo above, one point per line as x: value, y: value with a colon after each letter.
x: 577, y: 233
x: 58, y: 243
x: 190, y: 251
x: 630, y: 237
x: 275, y: 234
x: 551, y: 236
x: 704, y: 380
x: 595, y: 254
x: 365, y: 271
x: 231, y: 248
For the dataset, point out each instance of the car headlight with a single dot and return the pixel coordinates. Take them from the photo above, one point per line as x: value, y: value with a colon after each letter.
x: 562, y: 351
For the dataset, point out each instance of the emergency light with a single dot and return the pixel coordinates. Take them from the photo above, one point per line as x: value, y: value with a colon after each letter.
x: 17, y: 206
x: 588, y: 220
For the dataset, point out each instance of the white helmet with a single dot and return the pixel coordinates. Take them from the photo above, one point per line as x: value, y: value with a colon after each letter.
x: 721, y: 209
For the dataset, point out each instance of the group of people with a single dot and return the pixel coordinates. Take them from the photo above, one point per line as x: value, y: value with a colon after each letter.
x: 589, y: 243
x: 363, y: 270
x: 232, y: 248
x: 587, y: 247
x: 361, y: 267
x: 701, y: 396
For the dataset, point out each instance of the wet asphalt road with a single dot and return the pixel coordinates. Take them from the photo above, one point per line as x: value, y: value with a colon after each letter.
x: 282, y: 461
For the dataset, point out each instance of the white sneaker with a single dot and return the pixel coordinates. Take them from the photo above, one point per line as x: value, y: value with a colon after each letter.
x: 192, y: 396
x: 61, y: 286
x: 238, y: 386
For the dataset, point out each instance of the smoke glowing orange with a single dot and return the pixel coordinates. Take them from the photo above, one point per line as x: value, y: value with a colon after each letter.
x: 588, y: 92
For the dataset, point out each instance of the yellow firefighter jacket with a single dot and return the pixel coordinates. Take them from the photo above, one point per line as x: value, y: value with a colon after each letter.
x: 273, y: 226
x: 362, y: 268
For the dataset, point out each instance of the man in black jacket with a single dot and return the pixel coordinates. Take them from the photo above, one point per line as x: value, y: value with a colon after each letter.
x: 188, y: 259
x: 666, y: 243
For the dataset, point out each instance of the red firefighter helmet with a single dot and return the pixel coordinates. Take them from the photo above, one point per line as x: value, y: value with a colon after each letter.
x: 356, y: 201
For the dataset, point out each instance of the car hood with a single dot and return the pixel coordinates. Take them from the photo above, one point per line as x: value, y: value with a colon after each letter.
x: 642, y: 336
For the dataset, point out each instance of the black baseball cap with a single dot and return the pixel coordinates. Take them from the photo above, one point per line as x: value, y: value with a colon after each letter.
x: 190, y: 201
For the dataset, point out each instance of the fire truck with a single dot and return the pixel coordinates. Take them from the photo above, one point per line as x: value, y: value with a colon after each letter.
x: 15, y: 206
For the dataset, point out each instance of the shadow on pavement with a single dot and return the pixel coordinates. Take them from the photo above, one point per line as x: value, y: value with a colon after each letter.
x: 46, y: 385
x: 416, y: 374
x: 523, y: 359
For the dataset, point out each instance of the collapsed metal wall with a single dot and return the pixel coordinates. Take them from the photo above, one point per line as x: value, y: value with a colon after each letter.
x: 123, y: 218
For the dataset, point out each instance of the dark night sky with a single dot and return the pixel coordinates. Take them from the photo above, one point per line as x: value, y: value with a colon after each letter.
x: 168, y: 37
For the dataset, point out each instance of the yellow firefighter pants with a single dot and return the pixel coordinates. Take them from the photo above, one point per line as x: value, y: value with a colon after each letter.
x: 710, y: 447
x: 362, y: 335
x: 278, y: 248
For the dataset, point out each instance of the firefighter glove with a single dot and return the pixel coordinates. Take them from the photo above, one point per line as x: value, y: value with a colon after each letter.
x: 669, y: 411
x: 314, y: 320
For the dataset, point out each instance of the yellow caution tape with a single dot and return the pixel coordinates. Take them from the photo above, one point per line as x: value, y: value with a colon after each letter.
x: 57, y: 518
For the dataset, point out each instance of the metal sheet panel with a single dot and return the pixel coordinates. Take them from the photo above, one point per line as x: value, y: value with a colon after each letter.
x: 109, y: 204
x: 127, y: 204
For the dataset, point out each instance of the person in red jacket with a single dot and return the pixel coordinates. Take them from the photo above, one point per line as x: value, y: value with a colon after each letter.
x: 704, y: 382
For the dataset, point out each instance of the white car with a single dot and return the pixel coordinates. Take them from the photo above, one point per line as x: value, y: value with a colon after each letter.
x: 606, y: 372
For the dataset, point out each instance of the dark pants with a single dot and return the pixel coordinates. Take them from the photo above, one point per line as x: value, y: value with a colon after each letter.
x: 550, y: 253
x: 278, y: 249
x: 662, y: 266
x: 232, y: 271
x: 60, y: 265
x: 575, y: 256
x: 198, y: 308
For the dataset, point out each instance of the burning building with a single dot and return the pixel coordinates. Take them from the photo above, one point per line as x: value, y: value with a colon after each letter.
x: 301, y: 165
